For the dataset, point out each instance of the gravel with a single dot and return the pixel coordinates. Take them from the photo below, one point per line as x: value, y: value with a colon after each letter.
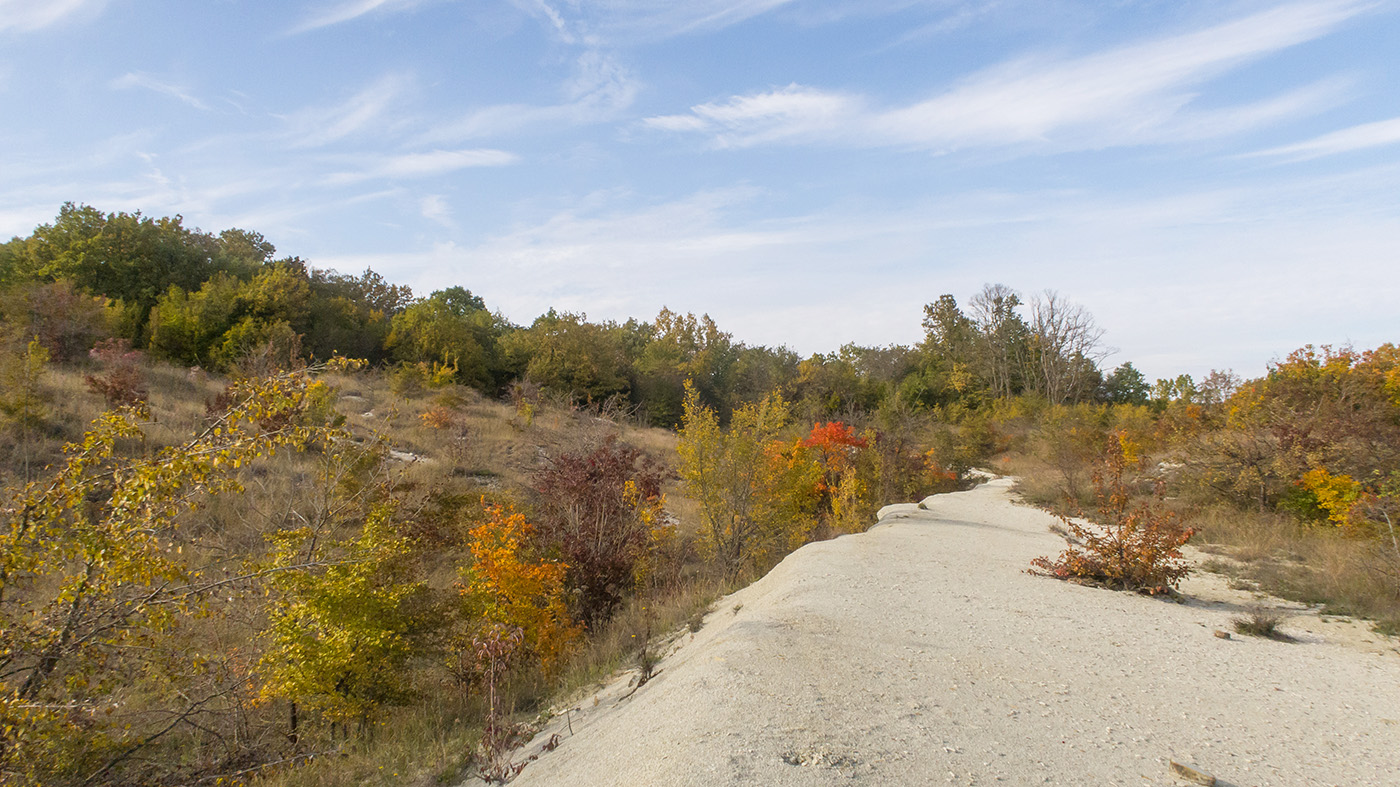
x: 921, y: 652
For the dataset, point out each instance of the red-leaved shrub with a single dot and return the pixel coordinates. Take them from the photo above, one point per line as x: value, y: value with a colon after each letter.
x: 599, y: 508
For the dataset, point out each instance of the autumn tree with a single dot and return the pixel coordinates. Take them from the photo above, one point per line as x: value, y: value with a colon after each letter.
x: 1333, y: 411
x: 510, y: 583
x: 95, y: 586
x: 342, y: 625
x: 841, y: 488
x: 600, y: 507
x: 66, y: 322
x: 755, y: 490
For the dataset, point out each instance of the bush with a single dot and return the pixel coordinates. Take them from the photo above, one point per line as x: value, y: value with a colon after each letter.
x: 1131, y: 546
x: 123, y: 385
x: 1260, y: 622
x: 599, y: 508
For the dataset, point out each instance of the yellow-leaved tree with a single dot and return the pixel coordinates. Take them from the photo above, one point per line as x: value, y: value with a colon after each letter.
x: 95, y: 585
x: 757, y: 494
x: 341, y: 630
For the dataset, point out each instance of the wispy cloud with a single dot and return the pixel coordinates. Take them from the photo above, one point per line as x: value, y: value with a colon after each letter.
x: 27, y: 15
x: 317, y: 126
x: 144, y: 81
x: 598, y: 90
x: 719, y: 251
x: 612, y: 21
x: 1347, y: 140
x: 423, y: 165
x: 349, y: 10
x: 1127, y: 95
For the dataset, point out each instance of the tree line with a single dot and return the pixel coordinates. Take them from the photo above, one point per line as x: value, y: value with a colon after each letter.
x: 199, y: 299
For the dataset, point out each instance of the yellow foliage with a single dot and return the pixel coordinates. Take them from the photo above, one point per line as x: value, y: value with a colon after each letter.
x: 508, y: 584
x: 1335, y: 494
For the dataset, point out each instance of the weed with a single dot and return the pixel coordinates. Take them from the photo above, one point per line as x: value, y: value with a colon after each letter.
x: 1261, y: 621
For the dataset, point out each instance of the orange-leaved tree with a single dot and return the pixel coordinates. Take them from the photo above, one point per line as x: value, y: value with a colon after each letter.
x: 841, y: 491
x: 510, y: 583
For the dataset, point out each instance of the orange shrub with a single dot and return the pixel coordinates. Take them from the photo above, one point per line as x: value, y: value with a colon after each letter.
x: 1132, y: 546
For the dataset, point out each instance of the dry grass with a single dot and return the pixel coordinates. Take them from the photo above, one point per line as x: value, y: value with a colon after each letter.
x: 487, y: 448
x: 1315, y: 564
x: 1261, y: 621
x: 1269, y: 552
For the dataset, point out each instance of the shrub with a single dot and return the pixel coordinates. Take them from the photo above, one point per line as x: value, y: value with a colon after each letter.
x: 1130, y: 546
x: 123, y: 385
x: 599, y: 507
x: 1260, y: 622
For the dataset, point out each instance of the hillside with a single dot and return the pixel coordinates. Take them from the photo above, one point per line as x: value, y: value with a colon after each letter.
x: 921, y: 652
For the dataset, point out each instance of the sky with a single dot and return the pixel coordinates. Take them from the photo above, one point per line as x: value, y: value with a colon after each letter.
x: 1216, y: 181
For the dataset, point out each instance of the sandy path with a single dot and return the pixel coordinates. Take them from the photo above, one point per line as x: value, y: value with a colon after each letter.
x: 922, y: 653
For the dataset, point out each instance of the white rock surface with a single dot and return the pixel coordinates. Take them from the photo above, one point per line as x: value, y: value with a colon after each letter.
x: 922, y: 653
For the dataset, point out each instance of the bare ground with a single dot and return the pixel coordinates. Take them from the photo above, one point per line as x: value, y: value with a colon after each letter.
x: 921, y: 652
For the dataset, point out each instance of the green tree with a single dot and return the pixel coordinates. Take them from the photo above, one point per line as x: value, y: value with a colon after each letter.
x: 126, y: 257
x: 23, y: 401
x: 681, y: 348
x: 1126, y: 385
x: 188, y: 327
x: 565, y: 353
x: 1002, y: 339
x: 453, y: 328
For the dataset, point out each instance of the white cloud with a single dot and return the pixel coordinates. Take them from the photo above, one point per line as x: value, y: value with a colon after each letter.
x: 435, y: 209
x: 317, y: 126
x: 422, y: 165
x: 28, y: 15
x: 348, y: 11
x: 146, y: 81
x: 792, y: 114
x: 598, y: 90
x: 1347, y: 140
x: 1127, y: 95
x: 1231, y: 275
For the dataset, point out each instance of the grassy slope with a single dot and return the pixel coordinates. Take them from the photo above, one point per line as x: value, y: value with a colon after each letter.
x: 489, y: 448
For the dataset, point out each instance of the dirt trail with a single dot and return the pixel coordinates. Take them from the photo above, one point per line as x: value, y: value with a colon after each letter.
x: 922, y: 653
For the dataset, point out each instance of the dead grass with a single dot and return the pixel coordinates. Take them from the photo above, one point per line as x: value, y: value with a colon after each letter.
x: 1261, y: 621
x: 1313, y: 564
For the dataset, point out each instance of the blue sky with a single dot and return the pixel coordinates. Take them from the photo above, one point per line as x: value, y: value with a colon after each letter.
x: 1217, y: 182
